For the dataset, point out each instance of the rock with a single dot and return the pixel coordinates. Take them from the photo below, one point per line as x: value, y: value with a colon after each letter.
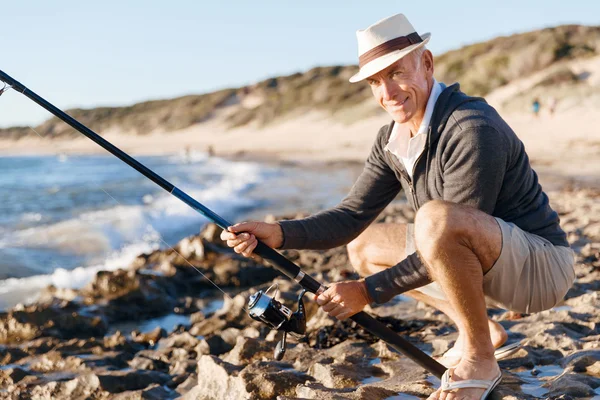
x: 152, y: 392
x: 179, y: 340
x: 182, y: 367
x: 230, y: 335
x: 593, y: 369
x: 63, y: 320
x: 343, y: 375
x: 191, y: 247
x: 54, y: 361
x: 83, y: 386
x: 149, y: 338
x: 572, y: 385
x: 267, y: 380
x: 581, y: 359
x: 208, y: 326
x: 8, y: 376
x: 120, y: 381
x: 221, y: 380
x: 212, y: 234
x: 152, y: 362
x: 9, y: 355
x: 217, y: 380
x: 247, y: 350
x: 188, y: 384
x: 218, y: 345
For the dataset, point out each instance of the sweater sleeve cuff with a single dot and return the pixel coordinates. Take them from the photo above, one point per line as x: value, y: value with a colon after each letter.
x: 294, y: 234
x: 408, y: 274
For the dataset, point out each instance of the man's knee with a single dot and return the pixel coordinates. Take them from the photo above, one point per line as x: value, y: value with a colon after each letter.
x: 436, y: 222
x: 439, y: 224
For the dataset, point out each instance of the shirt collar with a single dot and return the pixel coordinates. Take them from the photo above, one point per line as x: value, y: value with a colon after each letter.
x: 436, y: 90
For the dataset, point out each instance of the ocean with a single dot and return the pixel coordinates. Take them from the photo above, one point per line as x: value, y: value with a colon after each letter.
x: 63, y: 218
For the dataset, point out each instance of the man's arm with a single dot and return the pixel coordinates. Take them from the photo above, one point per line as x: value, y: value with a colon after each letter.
x: 474, y: 165
x: 374, y: 189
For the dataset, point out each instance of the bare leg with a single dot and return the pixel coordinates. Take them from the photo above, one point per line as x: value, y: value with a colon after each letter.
x: 382, y: 246
x: 498, y: 334
x: 459, y: 244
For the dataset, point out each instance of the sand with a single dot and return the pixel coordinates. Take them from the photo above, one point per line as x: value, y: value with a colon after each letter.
x: 563, y: 147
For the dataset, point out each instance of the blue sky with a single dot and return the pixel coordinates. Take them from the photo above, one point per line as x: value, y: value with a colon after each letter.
x: 86, y: 54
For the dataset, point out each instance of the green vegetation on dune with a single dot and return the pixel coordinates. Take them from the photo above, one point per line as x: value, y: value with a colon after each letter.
x: 480, y: 68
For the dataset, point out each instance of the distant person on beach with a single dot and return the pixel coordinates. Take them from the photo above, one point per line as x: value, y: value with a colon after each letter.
x: 484, y: 232
x: 535, y: 107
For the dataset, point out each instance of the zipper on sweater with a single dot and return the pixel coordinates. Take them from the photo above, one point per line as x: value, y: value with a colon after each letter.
x: 410, y: 181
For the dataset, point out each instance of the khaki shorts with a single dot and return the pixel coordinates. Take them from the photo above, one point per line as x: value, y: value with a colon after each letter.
x: 531, y: 274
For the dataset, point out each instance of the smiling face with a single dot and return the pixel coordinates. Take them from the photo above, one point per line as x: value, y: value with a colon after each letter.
x: 403, y: 88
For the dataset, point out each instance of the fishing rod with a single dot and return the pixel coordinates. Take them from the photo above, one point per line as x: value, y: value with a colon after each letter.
x: 262, y: 307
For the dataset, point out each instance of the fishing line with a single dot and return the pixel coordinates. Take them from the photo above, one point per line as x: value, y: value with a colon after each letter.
x: 273, y: 257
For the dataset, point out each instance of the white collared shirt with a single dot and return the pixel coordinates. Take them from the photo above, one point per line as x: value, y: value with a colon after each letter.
x: 409, y: 149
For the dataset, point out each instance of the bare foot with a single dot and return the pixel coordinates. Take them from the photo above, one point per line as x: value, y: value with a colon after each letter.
x: 452, y: 357
x: 480, y: 369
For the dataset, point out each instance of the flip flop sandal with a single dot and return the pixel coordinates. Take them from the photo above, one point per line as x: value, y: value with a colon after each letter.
x: 490, y: 385
x: 502, y: 352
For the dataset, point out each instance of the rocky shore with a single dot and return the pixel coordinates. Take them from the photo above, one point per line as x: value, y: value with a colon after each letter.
x: 73, y: 344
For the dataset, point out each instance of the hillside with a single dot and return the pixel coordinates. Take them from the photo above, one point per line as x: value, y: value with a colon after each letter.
x: 549, y: 54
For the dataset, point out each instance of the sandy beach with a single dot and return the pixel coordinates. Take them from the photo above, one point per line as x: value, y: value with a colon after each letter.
x: 563, y: 147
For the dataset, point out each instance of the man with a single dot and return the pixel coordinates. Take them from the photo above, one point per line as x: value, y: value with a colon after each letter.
x: 483, y: 231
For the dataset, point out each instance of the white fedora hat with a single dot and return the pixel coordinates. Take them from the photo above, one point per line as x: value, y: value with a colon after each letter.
x: 384, y: 43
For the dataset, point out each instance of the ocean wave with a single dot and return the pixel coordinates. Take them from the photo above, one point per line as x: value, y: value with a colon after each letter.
x: 26, y: 290
x: 118, y: 234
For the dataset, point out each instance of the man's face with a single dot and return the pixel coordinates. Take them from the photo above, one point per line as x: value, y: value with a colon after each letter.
x: 402, y: 89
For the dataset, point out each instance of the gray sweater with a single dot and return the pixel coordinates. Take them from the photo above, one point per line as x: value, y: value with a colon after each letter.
x: 472, y: 157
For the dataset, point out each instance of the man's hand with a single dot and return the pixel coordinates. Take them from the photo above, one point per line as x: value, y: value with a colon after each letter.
x: 344, y: 299
x: 243, y: 237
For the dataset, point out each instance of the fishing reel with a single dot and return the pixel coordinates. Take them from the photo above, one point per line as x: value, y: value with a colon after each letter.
x: 268, y: 310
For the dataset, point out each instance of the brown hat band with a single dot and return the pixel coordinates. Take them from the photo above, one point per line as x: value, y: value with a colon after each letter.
x: 398, y: 43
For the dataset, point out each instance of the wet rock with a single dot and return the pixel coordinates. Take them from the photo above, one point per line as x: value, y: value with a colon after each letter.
x: 580, y: 360
x: 120, y: 381
x: 83, y: 386
x: 54, y: 361
x: 191, y: 247
x: 231, y: 315
x: 341, y: 375
x: 63, y: 320
x: 51, y: 293
x: 208, y: 326
x: 312, y: 390
x: 120, y: 342
x: 9, y: 355
x: 572, y: 385
x: 181, y: 340
x: 150, y: 360
x: 182, y: 367
x: 8, y: 376
x: 214, y: 345
x: 260, y: 380
x: 217, y: 380
x: 149, y: 338
x: 188, y: 384
x: 230, y: 335
x: 247, y: 350
x: 153, y: 392
x: 212, y: 234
